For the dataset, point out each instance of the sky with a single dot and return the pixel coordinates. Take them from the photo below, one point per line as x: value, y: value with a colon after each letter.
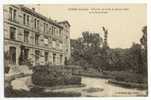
x: 124, y: 22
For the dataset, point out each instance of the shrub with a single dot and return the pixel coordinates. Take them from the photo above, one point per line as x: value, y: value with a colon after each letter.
x: 51, y: 75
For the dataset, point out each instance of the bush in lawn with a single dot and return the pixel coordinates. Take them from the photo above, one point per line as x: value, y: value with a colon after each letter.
x: 129, y: 77
x: 51, y: 75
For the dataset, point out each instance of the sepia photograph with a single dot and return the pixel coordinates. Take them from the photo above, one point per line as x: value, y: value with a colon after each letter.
x: 75, y: 50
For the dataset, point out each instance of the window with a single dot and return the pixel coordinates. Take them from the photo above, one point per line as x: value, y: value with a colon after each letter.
x: 12, y: 52
x: 46, y: 27
x: 27, y: 19
x: 24, y: 19
x: 61, y: 59
x: 36, y: 39
x: 26, y: 35
x: 50, y: 30
x: 23, y: 55
x: 37, y: 55
x: 60, y: 46
x: 35, y: 23
x: 59, y: 32
x: 57, y: 44
x: 46, y: 41
x: 54, y: 58
x: 12, y: 33
x: 46, y: 56
x: 56, y: 32
x: 12, y: 14
x: 26, y: 52
x: 54, y: 44
x: 38, y: 24
x: 53, y: 30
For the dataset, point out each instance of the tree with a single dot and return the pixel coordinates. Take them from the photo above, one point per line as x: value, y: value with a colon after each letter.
x: 143, y: 42
x: 136, y: 58
x: 143, y: 39
x: 84, y: 49
x: 91, y: 39
x: 105, y: 44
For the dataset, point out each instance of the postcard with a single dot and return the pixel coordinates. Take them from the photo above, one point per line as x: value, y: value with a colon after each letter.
x: 75, y: 50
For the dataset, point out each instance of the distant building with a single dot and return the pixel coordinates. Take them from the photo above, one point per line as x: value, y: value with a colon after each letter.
x: 30, y: 36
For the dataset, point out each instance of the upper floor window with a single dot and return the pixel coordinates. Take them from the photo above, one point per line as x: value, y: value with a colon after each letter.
x: 26, y: 35
x: 60, y: 32
x: 38, y: 24
x: 12, y: 33
x: 25, y: 19
x: 50, y: 29
x: 54, y: 44
x: 46, y: 56
x: 35, y: 23
x: 56, y: 32
x: 36, y: 39
x: 46, y: 41
x: 53, y: 30
x: 12, y: 14
x: 45, y: 27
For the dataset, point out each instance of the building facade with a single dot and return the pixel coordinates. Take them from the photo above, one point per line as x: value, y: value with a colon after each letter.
x: 32, y: 37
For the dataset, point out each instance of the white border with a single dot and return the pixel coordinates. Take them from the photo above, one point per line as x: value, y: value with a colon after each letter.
x: 75, y: 2
x: 70, y: 1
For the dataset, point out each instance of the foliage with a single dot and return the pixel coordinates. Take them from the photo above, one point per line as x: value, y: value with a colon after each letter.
x: 52, y: 75
x: 143, y: 39
x: 91, y: 54
x: 86, y: 48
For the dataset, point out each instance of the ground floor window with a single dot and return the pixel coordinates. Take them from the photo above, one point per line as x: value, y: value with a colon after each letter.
x: 23, y: 55
x: 54, y: 58
x: 46, y: 56
x: 12, y: 52
x: 61, y: 59
x: 65, y: 61
x: 37, y: 55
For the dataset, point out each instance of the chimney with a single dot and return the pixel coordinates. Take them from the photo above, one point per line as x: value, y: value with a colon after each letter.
x: 33, y: 9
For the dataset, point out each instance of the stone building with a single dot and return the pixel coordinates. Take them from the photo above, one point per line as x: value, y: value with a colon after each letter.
x: 32, y: 37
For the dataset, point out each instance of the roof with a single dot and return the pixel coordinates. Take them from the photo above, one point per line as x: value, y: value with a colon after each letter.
x: 34, y: 13
x: 65, y: 22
